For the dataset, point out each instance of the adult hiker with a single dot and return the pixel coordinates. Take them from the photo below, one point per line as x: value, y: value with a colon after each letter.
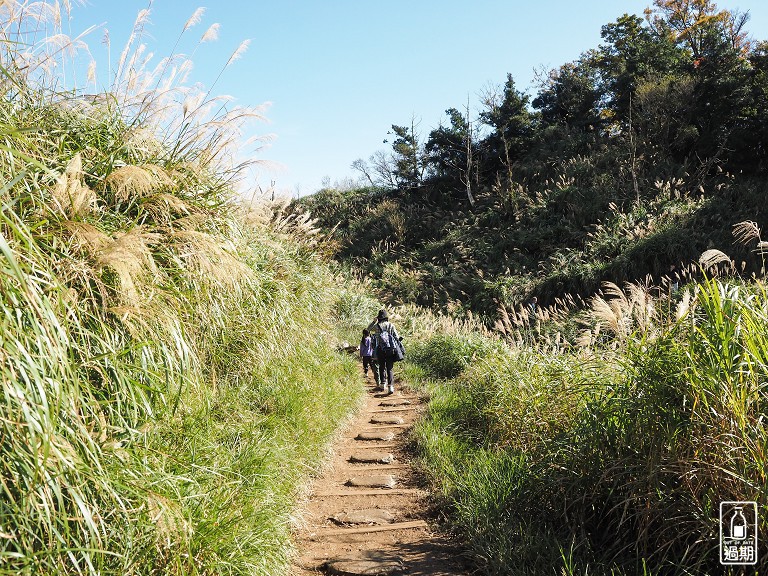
x: 388, y: 350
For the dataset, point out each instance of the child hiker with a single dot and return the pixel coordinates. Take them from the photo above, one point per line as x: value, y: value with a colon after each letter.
x: 366, y: 353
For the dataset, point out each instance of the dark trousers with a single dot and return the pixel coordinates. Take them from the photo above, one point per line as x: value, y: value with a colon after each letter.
x: 368, y: 362
x: 374, y: 364
x: 385, y: 372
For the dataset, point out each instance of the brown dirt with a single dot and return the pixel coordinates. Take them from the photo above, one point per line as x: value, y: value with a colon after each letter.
x: 411, y: 543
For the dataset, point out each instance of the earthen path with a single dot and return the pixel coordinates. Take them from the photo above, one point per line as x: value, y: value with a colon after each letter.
x: 367, y: 513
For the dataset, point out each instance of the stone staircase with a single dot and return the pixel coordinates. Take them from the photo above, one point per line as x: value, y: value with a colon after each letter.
x: 367, y: 513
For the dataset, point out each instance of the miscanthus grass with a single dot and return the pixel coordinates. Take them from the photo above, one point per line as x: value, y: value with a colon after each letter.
x: 611, y: 457
x: 167, y: 354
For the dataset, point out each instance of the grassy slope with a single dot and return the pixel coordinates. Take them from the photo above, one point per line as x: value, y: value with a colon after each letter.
x: 167, y: 358
x: 566, y: 232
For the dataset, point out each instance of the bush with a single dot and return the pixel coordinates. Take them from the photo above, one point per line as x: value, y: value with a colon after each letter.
x: 446, y: 356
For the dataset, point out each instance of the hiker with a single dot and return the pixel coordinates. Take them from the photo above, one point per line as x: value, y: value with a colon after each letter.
x: 387, y: 347
x: 367, y: 346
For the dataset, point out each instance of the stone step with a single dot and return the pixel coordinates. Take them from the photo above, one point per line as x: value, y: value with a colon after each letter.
x: 387, y: 420
x: 371, y: 436
x: 400, y: 409
x: 394, y: 402
x: 375, y: 481
x: 366, y: 516
x: 372, y: 457
x: 362, y: 467
x: 374, y: 446
x: 365, y: 566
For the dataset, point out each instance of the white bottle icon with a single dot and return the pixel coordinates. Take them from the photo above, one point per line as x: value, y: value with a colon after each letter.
x: 738, y: 524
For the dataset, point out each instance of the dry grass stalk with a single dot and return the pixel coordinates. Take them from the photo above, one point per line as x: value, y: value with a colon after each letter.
x: 172, y: 527
x: 86, y: 237
x: 162, y: 207
x: 70, y: 194
x: 130, y: 257
x: 137, y: 181
x: 712, y: 257
x: 621, y: 311
x: 206, y: 255
x: 746, y: 232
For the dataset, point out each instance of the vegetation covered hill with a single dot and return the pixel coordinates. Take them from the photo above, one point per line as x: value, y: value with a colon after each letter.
x: 631, y: 160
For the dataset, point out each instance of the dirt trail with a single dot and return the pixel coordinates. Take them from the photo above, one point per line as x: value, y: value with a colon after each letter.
x: 367, y: 513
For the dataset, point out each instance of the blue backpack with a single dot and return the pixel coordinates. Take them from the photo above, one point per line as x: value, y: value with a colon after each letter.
x: 386, y: 344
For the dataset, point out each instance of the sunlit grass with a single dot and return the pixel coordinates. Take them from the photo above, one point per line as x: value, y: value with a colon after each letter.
x: 610, y: 459
x: 167, y: 354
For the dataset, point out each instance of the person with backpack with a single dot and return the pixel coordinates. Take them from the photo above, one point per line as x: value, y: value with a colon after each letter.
x: 367, y: 345
x: 388, y: 350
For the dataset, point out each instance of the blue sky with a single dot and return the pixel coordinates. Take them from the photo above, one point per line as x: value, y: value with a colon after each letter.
x: 339, y: 73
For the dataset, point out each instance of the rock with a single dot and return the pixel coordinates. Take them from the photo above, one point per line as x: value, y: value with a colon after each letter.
x: 367, y: 565
x: 387, y: 420
x: 376, y: 481
x: 395, y: 402
x: 372, y: 457
x: 383, y: 436
x: 367, y: 516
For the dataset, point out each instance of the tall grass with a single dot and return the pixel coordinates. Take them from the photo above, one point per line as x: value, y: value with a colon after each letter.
x: 610, y: 459
x: 167, y: 354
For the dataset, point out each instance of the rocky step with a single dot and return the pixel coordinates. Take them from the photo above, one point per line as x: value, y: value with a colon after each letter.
x: 371, y: 436
x: 394, y: 402
x: 387, y: 420
x: 404, y: 408
x: 366, y: 564
x: 413, y: 524
x: 372, y: 457
x: 375, y: 481
x: 367, y: 516
x: 345, y: 493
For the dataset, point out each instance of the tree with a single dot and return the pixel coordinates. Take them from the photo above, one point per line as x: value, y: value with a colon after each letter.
x: 717, y: 47
x: 379, y: 169
x: 571, y: 95
x: 632, y: 53
x: 409, y: 158
x: 451, y: 151
x: 507, y: 113
x: 446, y: 147
x: 690, y: 22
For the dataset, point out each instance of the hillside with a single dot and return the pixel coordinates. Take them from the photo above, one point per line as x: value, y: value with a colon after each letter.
x: 628, y: 163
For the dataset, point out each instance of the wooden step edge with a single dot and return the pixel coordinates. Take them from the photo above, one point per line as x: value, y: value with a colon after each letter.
x: 373, y: 467
x: 370, y: 444
x: 374, y: 528
x: 379, y: 492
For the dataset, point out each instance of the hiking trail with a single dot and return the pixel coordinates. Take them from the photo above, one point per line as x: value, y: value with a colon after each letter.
x: 367, y: 513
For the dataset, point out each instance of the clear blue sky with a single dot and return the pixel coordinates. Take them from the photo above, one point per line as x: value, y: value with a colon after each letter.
x: 339, y: 73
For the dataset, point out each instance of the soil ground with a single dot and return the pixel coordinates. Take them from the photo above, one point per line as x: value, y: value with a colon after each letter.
x: 344, y: 526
